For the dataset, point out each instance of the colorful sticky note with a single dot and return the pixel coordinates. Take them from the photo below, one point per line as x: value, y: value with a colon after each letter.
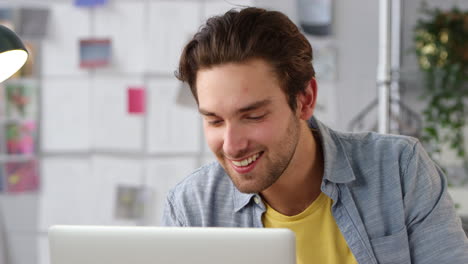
x: 89, y: 3
x: 95, y: 53
x: 22, y: 176
x: 136, y: 100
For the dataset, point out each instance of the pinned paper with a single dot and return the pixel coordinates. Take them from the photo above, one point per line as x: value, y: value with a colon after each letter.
x: 90, y: 3
x: 6, y: 18
x: 20, y: 100
x: 20, y: 138
x: 162, y: 113
x: 22, y: 176
x: 130, y: 202
x: 136, y: 100
x: 33, y: 22
x: 325, y: 63
x: 185, y: 97
x: 95, y: 53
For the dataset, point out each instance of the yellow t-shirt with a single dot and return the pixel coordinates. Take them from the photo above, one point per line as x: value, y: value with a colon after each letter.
x: 318, y: 238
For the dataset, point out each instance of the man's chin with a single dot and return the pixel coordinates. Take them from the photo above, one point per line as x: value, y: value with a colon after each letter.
x: 245, y: 183
x: 248, y: 186
x: 248, y: 190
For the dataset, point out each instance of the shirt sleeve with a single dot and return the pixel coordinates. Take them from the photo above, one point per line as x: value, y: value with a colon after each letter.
x: 169, y: 217
x: 434, y: 230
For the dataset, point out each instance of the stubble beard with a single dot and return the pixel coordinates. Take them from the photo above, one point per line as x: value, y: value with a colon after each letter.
x: 276, y: 163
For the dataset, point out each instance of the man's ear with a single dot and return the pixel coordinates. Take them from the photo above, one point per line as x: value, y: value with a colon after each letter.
x: 306, y: 100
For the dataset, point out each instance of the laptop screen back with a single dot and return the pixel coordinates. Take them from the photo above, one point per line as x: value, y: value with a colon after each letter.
x: 174, y: 245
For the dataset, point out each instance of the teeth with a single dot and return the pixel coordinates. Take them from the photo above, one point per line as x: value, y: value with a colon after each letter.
x: 246, y: 161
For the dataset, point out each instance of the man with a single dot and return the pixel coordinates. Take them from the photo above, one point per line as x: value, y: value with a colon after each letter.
x: 350, y: 198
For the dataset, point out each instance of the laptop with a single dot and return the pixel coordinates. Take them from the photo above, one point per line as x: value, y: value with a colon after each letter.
x: 170, y: 245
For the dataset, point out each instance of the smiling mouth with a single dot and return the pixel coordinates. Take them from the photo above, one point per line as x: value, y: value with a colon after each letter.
x: 246, y: 162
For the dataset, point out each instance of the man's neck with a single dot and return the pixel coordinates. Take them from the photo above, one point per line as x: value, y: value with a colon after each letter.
x: 299, y: 185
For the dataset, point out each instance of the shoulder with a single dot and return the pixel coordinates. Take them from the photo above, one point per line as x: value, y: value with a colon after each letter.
x: 205, y: 179
x: 374, y: 146
x: 206, y: 191
x: 375, y: 140
x: 379, y: 159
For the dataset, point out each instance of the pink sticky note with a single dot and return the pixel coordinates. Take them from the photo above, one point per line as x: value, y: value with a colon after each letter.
x: 136, y: 100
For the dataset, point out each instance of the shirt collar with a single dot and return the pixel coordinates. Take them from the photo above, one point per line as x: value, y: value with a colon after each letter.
x: 241, y: 199
x: 337, y: 168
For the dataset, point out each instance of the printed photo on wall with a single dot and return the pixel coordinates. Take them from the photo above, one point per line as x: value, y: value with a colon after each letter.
x: 325, y: 63
x: 22, y: 176
x: 130, y: 202
x: 185, y: 97
x: 20, y: 138
x: 90, y: 3
x: 32, y: 22
x: 7, y: 17
x: 20, y: 99
x: 95, y: 53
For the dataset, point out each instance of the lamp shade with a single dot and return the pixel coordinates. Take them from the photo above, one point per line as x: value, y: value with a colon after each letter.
x: 13, y: 54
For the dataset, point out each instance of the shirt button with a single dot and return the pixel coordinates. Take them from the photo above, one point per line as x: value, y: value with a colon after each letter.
x: 257, y: 200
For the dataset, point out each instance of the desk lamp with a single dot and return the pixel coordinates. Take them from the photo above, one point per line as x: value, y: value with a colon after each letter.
x: 13, y: 54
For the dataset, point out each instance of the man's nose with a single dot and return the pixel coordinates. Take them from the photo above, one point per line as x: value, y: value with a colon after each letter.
x: 235, y: 142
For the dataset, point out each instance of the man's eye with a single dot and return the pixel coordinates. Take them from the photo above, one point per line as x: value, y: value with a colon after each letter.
x: 256, y: 117
x: 215, y: 122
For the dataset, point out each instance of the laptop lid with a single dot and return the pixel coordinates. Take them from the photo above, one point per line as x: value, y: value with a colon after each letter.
x: 172, y: 245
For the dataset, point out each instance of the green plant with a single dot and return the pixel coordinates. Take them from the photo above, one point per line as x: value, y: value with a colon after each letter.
x: 441, y: 45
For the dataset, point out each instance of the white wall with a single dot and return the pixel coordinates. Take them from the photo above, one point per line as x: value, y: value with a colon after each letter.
x: 90, y: 144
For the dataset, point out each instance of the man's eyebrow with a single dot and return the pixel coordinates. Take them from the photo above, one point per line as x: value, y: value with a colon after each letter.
x: 244, y: 109
x: 254, y: 106
x: 206, y: 113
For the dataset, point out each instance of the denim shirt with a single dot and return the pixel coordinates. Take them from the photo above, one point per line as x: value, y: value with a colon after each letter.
x: 389, y: 200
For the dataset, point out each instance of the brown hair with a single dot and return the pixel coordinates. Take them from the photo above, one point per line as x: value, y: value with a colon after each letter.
x: 238, y: 36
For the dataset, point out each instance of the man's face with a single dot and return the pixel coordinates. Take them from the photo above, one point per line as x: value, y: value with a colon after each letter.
x: 248, y: 123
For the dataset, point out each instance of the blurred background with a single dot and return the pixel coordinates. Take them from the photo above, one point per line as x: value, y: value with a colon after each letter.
x: 95, y: 128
